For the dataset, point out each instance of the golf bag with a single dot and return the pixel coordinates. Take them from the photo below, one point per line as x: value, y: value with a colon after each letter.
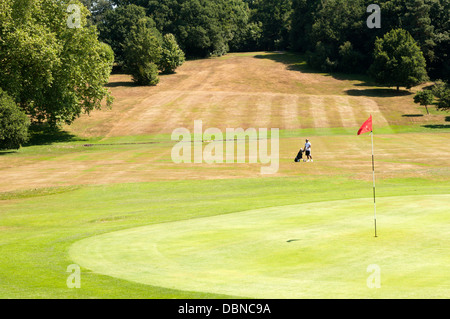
x: 299, y: 156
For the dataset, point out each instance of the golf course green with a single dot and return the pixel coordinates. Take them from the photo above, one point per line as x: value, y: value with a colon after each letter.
x: 313, y: 250
x: 105, y: 196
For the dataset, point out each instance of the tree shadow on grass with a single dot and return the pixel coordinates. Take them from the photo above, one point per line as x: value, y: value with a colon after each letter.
x: 43, y: 134
x: 412, y: 115
x: 437, y: 126
x: 293, y: 61
x: 121, y: 83
x: 7, y: 152
x: 298, y: 62
x: 378, y: 92
x: 447, y: 119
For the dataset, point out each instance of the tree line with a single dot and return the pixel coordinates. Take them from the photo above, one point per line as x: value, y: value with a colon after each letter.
x: 409, y: 47
x: 332, y: 32
x: 52, y: 73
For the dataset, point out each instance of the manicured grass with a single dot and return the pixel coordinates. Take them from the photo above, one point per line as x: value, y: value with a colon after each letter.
x: 313, y: 250
x: 37, y: 232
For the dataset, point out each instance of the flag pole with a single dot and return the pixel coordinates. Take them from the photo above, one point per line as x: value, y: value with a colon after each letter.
x: 374, y: 200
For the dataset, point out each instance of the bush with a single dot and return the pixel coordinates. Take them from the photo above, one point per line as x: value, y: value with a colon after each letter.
x: 145, y: 73
x: 441, y: 90
x: 171, y: 55
x: 444, y: 100
x: 13, y: 123
x: 142, y: 52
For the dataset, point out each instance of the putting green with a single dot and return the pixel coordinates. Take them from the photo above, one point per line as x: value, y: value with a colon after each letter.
x: 315, y: 250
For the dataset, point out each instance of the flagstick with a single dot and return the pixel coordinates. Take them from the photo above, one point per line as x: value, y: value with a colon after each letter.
x: 374, y: 201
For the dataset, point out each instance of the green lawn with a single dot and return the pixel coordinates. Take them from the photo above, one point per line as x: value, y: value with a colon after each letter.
x: 38, y: 231
x: 313, y: 250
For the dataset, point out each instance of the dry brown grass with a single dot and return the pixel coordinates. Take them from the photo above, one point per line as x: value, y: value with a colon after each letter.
x: 245, y: 91
x: 397, y: 156
x: 235, y: 91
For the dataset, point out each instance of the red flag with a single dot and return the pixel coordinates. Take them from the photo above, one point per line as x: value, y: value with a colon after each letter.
x: 366, y: 127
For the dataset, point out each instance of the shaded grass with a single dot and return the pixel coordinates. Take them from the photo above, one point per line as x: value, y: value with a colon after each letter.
x: 298, y: 62
x: 43, y: 134
x: 378, y: 92
x: 38, y: 192
x: 437, y: 126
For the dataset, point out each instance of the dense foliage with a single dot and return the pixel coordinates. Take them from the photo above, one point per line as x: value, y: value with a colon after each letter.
x: 117, y: 25
x: 13, y: 123
x: 139, y: 46
x: 171, y: 55
x: 398, y: 60
x: 424, y: 98
x: 441, y: 91
x: 53, y: 72
x: 323, y: 27
x: 333, y: 33
x: 141, y: 53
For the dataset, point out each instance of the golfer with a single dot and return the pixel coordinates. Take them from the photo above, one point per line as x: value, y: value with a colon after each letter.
x: 308, y: 151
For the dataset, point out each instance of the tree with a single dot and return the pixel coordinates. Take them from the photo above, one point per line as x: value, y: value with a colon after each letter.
x: 98, y: 9
x: 13, y: 123
x: 440, y: 16
x: 418, y: 22
x: 320, y: 57
x: 117, y: 25
x: 350, y: 60
x: 200, y: 30
x: 441, y: 90
x: 142, y: 53
x: 202, y: 27
x: 424, y: 98
x: 444, y: 101
x: 275, y: 17
x: 333, y: 23
x: 52, y: 70
x: 330, y: 31
x: 302, y: 20
x: 398, y: 60
x: 171, y: 55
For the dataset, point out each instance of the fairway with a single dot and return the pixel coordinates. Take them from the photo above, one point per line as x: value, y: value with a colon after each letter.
x: 105, y: 193
x: 245, y: 151
x: 313, y: 250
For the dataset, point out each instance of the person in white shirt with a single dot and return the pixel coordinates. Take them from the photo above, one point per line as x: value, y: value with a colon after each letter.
x: 308, y: 151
